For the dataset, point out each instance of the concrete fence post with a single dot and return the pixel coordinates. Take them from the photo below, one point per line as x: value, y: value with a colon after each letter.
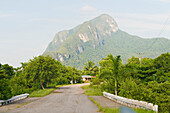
x: 155, y: 108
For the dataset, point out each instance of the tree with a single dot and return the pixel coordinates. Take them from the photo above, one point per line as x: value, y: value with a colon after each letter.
x: 89, y: 67
x: 41, y: 70
x: 162, y: 65
x: 113, y: 64
x: 9, y: 70
x: 134, y: 61
x: 18, y: 85
x: 5, y: 91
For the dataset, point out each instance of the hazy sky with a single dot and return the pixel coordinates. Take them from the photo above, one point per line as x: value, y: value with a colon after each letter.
x: 27, y: 26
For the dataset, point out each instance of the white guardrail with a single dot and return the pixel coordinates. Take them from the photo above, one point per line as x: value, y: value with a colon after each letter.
x: 131, y: 102
x: 13, y: 99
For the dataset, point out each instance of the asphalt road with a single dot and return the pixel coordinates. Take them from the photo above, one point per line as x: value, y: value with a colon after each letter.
x: 68, y: 99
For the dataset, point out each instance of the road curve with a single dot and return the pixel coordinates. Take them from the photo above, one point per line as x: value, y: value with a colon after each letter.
x: 68, y: 99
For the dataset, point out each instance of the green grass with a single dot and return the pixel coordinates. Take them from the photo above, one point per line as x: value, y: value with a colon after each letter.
x: 143, y: 111
x: 96, y: 91
x: 109, y: 110
x: 24, y: 104
x: 116, y: 110
x: 41, y: 93
x: 65, y: 85
x: 92, y: 90
x: 104, y: 110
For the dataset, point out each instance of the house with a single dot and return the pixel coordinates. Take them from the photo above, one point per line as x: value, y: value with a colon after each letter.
x: 86, y: 77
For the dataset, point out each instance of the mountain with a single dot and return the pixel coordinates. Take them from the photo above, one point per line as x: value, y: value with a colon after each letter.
x: 95, y: 39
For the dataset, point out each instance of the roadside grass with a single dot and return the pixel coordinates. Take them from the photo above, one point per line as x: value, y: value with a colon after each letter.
x: 104, y: 110
x: 59, y: 86
x: 18, y: 106
x: 24, y: 103
x: 109, y: 110
x: 65, y: 85
x: 143, y: 111
x: 92, y: 90
x: 116, y: 110
x: 41, y: 92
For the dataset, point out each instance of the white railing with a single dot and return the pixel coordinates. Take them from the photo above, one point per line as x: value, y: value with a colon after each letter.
x: 131, y: 102
x: 13, y: 99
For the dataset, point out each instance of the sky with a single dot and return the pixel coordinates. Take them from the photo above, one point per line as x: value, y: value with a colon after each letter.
x: 28, y: 26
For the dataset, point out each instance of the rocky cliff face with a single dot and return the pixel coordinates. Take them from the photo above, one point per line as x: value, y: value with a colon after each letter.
x: 96, y: 30
x: 96, y: 38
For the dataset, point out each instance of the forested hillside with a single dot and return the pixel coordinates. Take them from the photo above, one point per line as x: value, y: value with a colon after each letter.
x: 95, y: 39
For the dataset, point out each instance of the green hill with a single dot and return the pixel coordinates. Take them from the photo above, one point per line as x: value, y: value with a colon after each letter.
x: 96, y: 38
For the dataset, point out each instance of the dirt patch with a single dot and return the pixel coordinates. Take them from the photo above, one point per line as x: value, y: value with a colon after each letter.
x: 17, y: 104
x: 105, y: 102
x: 57, y: 92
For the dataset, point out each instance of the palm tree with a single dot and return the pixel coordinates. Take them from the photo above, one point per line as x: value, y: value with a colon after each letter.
x: 88, y: 68
x: 114, y: 65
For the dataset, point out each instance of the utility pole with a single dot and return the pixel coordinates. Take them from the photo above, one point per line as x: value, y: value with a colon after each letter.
x: 99, y: 70
x: 140, y: 58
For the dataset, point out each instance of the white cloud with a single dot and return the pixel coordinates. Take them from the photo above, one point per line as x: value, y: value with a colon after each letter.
x: 87, y: 8
x: 89, y: 12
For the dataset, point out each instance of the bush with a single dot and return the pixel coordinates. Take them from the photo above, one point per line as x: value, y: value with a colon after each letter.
x: 153, y: 93
x: 96, y: 81
x: 108, y: 86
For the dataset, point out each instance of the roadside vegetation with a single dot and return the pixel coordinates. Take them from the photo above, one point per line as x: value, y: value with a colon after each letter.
x: 41, y: 92
x: 90, y: 90
x: 35, y: 77
x: 148, y: 80
x: 105, y: 110
x: 143, y: 111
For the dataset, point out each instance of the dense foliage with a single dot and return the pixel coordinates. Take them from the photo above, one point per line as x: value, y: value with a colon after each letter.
x: 38, y: 73
x: 114, y: 65
x: 90, y: 69
x: 149, y: 81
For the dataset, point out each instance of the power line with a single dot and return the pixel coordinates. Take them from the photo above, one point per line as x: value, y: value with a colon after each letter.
x: 164, y: 25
